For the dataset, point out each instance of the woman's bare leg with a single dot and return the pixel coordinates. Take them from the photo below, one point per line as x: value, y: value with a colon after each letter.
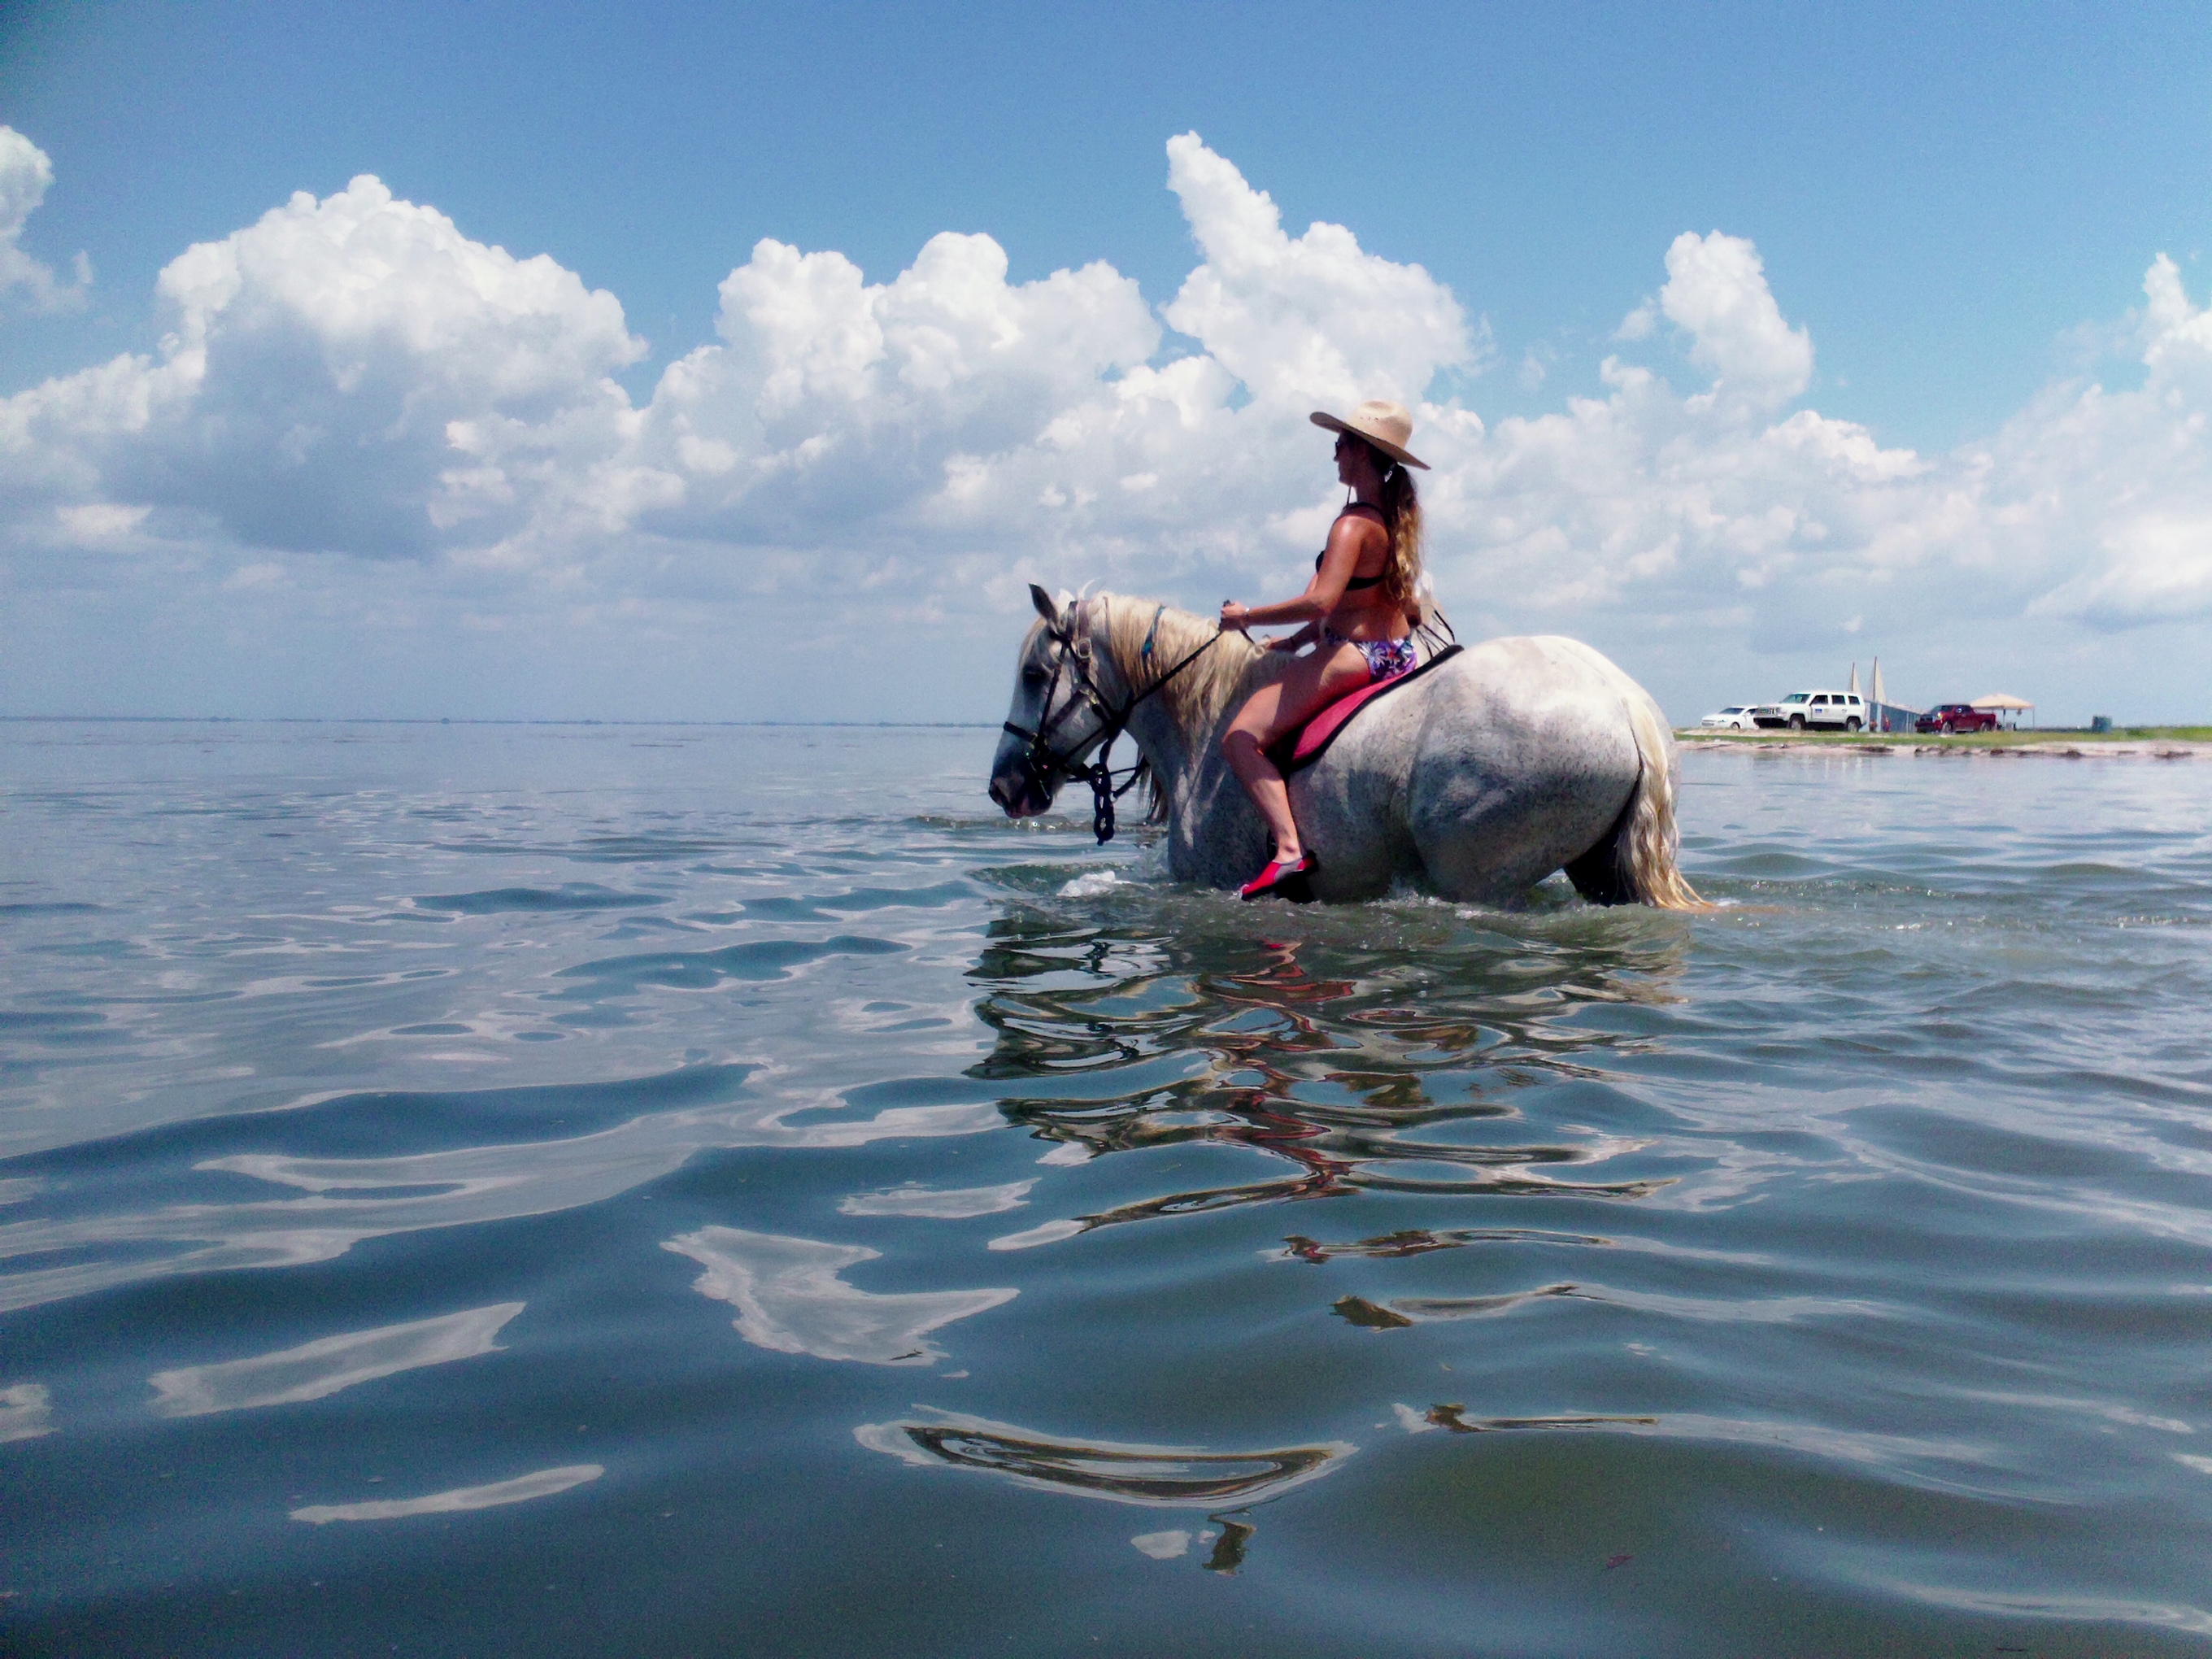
x: 1247, y: 760
x: 1270, y: 712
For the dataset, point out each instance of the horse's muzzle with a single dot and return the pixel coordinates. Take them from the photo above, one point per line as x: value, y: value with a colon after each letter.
x: 1018, y: 793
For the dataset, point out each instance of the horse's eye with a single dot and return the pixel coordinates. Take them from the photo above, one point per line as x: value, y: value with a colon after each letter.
x: 1033, y: 678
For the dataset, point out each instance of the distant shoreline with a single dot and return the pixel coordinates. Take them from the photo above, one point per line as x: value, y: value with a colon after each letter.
x: 436, y: 720
x: 2167, y: 742
x: 2124, y: 742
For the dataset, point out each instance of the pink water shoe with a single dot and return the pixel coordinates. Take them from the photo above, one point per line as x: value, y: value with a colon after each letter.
x: 1283, y: 878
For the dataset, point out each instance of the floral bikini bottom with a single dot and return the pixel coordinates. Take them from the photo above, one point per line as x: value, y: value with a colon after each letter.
x: 1384, y: 657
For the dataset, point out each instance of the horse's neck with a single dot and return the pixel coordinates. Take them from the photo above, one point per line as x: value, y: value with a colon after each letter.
x: 1160, y: 735
x: 1204, y: 799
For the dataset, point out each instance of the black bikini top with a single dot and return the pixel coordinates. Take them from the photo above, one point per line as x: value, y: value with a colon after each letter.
x: 1356, y: 581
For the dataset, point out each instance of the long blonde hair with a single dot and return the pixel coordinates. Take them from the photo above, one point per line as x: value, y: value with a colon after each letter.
x: 1401, y: 514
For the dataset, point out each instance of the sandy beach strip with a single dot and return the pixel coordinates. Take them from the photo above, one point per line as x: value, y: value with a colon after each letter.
x: 2009, y: 745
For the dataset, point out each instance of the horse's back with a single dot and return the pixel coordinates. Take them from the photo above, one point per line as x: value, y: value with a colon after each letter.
x: 1501, y: 765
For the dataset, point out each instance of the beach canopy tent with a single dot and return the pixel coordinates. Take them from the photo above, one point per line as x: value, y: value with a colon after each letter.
x: 1882, y: 714
x: 2004, y: 704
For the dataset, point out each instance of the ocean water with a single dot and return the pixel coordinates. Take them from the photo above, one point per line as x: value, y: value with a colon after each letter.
x: 485, y: 1190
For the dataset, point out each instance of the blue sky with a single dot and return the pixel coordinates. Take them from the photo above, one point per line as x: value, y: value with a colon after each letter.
x: 1955, y: 209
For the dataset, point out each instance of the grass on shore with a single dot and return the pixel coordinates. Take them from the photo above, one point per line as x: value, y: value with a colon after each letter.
x: 2041, y: 734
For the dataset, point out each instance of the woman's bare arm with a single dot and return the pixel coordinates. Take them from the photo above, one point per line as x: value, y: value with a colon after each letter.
x: 1339, y: 561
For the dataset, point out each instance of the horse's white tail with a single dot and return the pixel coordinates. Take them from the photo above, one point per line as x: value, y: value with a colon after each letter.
x: 1650, y: 842
x: 1635, y: 863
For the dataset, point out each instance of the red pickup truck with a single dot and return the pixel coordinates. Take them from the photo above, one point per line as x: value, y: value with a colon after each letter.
x: 1956, y: 717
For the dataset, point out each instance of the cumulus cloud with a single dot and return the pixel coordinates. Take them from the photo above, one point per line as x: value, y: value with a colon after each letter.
x: 1721, y: 511
x: 837, y: 410
x: 350, y: 374
x: 355, y: 375
x: 948, y: 410
x: 1690, y: 505
x: 354, y: 383
x: 1316, y: 318
x: 1716, y: 293
x: 26, y: 174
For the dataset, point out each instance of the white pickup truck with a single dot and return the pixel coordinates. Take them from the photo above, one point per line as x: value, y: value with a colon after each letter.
x: 1842, y: 711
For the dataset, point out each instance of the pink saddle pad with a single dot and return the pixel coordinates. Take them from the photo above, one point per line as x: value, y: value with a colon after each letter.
x: 1304, y: 746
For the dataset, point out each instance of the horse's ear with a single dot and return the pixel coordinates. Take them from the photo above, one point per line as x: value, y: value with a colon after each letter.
x: 1042, y: 601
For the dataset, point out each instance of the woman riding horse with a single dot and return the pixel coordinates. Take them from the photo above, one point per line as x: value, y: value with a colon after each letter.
x: 1361, y: 608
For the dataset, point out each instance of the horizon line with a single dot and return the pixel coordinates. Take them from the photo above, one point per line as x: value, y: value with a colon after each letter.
x: 451, y: 720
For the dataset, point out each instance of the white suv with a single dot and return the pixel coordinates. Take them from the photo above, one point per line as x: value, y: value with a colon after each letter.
x: 1837, y: 710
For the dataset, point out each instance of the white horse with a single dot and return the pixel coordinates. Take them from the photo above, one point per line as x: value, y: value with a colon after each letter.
x: 1513, y: 759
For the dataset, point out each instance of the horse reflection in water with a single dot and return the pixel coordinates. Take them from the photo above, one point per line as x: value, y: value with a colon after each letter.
x: 1318, y: 1052
x: 1221, y: 1482
x: 1327, y: 1072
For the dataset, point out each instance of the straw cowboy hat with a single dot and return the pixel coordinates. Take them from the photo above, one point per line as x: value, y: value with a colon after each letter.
x: 1385, y: 425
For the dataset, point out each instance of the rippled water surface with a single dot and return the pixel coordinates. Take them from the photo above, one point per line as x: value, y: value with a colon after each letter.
x: 596, y: 1190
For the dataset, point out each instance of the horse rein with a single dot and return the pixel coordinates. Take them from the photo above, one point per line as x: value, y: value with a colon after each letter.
x: 1042, y: 762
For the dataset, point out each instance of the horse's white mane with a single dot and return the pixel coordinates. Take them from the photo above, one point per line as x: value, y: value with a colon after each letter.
x: 1197, y: 696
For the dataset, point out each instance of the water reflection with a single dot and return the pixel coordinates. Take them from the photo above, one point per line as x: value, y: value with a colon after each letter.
x: 1379, y: 1051
x: 2051, y: 1607
x: 938, y: 1203
x: 1229, y: 1541
x: 1369, y: 1316
x: 1938, y: 1121
x: 1229, y: 1549
x: 1403, y: 1311
x: 1930, y: 1462
x: 349, y: 1200
x: 26, y: 1412
x: 324, y: 1367
x: 1419, y: 1240
x: 543, y: 1483
x: 789, y: 1299
x: 1114, y: 1470
x: 1452, y: 1418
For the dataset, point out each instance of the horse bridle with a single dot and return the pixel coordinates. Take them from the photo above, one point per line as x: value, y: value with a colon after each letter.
x: 1041, y: 762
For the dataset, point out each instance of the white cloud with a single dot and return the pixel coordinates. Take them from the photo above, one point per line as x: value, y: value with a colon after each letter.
x: 351, y: 375
x: 353, y: 378
x: 2111, y: 493
x: 99, y: 523
x: 1650, y: 499
x: 26, y: 174
x: 843, y: 412
x: 1717, y: 514
x: 948, y: 410
x: 262, y: 573
x: 1717, y: 292
x: 1311, y: 320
